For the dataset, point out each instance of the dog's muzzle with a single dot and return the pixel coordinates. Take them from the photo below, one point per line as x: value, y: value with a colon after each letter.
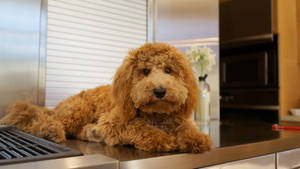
x: 159, y: 92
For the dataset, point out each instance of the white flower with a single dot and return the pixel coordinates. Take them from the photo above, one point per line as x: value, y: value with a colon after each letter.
x: 204, y: 57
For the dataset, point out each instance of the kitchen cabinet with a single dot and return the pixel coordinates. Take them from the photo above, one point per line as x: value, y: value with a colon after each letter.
x: 288, y: 159
x: 261, y: 162
x: 288, y: 30
x: 298, y: 29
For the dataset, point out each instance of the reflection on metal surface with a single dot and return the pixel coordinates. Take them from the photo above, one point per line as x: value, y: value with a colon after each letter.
x: 121, y: 153
x: 247, y: 41
x: 211, y: 128
x: 235, y: 143
x: 215, y: 156
x: 42, y: 58
x: 253, y: 38
x: 151, y: 20
x: 288, y: 159
x: 251, y: 107
x: 261, y: 162
x: 20, y: 50
x: 82, y: 162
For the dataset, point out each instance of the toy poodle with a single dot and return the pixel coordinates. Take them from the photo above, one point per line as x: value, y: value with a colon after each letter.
x: 149, y: 105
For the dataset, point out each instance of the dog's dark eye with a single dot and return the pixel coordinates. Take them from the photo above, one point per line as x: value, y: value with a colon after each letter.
x: 146, y: 71
x: 168, y: 70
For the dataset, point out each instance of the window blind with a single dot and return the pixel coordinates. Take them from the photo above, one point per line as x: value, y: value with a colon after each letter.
x: 87, y: 41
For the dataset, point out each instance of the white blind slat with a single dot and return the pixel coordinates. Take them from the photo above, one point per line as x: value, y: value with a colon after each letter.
x: 73, y: 61
x: 87, y: 39
x: 104, y: 20
x: 76, y: 55
x: 92, y: 51
x: 91, y: 31
x: 77, y: 73
x: 109, y: 27
x: 118, y: 6
x: 72, y: 6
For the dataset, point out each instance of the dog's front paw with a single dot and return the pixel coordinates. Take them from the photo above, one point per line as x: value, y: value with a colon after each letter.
x: 54, y: 132
x: 194, y: 142
x: 94, y: 135
x: 156, y: 142
x: 58, y: 137
x: 90, y: 133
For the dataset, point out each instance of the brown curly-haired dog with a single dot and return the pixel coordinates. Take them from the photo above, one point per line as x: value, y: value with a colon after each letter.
x: 149, y: 105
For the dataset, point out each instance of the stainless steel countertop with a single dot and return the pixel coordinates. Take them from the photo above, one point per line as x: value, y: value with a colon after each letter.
x: 80, y: 162
x: 231, y: 142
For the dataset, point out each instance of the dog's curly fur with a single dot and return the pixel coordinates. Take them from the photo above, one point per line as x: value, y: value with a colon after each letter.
x: 128, y: 111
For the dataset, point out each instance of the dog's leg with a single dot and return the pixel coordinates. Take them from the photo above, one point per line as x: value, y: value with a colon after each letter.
x: 136, y: 132
x: 87, y: 133
x: 74, y: 113
x: 35, y: 120
x: 49, y: 128
x: 148, y: 138
x: 190, y: 139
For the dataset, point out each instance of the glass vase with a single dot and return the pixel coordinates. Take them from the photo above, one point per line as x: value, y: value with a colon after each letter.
x: 203, y: 105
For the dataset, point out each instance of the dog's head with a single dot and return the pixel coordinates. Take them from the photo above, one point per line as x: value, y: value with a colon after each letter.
x: 155, y: 78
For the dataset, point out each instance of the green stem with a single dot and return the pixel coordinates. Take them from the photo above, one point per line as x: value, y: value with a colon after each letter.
x: 202, y: 70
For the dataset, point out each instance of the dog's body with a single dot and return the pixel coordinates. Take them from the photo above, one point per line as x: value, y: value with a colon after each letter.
x: 149, y: 105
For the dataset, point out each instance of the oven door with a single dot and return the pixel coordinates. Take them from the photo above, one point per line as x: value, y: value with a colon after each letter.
x: 245, y: 70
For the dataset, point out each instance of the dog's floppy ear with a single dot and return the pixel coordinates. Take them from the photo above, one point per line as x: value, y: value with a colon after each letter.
x: 122, y: 85
x: 192, y: 86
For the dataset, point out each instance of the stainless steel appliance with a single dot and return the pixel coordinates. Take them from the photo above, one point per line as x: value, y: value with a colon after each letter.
x: 249, y: 77
x: 248, y: 56
x: 22, y: 77
x: 22, y: 51
x: 17, y: 146
x: 255, y: 66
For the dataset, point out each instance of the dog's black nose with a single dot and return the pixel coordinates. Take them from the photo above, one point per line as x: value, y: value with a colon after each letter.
x: 159, y: 92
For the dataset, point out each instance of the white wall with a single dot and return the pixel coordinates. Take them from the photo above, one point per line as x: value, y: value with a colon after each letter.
x: 86, y: 42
